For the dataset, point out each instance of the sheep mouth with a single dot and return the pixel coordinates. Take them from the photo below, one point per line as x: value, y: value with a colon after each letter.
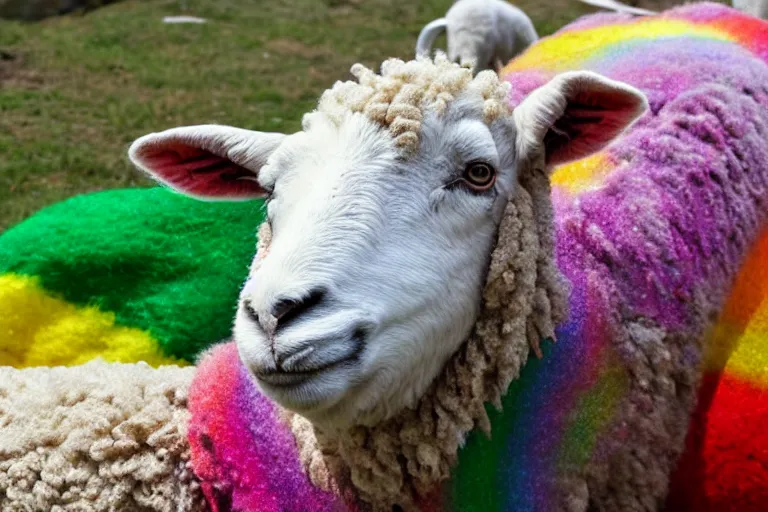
x: 285, y: 380
x: 312, y: 361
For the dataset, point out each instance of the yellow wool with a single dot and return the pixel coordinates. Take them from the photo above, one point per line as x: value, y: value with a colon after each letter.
x: 739, y: 340
x: 582, y: 175
x: 750, y: 359
x: 37, y: 329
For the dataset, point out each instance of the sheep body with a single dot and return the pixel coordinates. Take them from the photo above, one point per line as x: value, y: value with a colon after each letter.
x: 601, y: 421
x: 651, y: 233
x: 486, y: 33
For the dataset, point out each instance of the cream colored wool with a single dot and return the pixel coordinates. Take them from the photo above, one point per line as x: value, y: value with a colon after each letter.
x: 96, y: 437
x: 399, y: 96
x: 523, y: 300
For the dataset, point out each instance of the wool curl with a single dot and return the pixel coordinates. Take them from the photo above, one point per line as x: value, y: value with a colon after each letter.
x: 397, y: 98
x: 402, y: 459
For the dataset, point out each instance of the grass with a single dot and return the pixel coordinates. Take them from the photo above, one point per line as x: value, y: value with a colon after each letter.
x: 75, y: 91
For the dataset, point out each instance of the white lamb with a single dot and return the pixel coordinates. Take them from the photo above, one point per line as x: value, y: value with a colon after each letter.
x: 487, y: 33
x: 758, y: 8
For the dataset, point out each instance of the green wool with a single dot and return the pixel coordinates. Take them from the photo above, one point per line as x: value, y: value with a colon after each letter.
x: 159, y: 261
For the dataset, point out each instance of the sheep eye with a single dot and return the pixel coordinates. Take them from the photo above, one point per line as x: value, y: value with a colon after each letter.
x: 479, y: 176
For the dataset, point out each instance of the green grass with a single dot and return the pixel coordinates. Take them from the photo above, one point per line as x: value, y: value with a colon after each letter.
x: 75, y: 91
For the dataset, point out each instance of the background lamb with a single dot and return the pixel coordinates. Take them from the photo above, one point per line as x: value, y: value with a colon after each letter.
x: 757, y: 8
x: 484, y: 33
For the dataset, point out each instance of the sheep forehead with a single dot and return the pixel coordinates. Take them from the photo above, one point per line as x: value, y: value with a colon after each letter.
x: 401, y: 96
x: 324, y: 151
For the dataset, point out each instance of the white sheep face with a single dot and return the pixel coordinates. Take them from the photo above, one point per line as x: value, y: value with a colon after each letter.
x: 390, y: 254
x: 374, y: 271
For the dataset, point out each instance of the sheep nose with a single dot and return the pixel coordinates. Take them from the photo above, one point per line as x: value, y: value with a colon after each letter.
x: 285, y: 311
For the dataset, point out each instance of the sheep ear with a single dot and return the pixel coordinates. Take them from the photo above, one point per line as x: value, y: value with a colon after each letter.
x: 574, y: 115
x: 206, y: 161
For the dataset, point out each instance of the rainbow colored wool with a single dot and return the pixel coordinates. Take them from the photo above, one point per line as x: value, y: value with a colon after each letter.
x: 707, y: 95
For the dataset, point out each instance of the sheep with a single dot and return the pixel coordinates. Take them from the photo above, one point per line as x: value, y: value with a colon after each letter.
x: 350, y: 288
x: 485, y: 33
x: 428, y: 229
x: 757, y: 8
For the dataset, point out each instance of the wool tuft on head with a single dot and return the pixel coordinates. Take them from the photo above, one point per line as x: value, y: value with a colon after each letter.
x: 398, y: 97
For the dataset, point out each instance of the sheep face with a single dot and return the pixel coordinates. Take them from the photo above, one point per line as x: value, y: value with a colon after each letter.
x: 374, y: 270
x: 371, y: 264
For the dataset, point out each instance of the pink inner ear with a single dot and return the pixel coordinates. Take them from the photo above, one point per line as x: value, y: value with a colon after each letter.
x: 198, y: 172
x: 591, y: 120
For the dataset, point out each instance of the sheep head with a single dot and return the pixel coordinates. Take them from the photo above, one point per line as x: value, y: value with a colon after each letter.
x: 383, y: 215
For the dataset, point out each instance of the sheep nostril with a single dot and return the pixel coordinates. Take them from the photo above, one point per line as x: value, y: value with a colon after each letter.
x: 283, y: 312
x: 283, y: 307
x: 287, y: 310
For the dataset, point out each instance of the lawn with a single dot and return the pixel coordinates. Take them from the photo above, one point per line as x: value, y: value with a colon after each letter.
x: 76, y: 90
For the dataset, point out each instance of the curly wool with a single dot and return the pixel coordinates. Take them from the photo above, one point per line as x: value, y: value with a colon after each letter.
x: 96, y: 437
x: 523, y: 300
x: 398, y: 98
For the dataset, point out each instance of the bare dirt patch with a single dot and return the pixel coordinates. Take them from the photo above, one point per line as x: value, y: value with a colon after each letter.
x: 13, y: 73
